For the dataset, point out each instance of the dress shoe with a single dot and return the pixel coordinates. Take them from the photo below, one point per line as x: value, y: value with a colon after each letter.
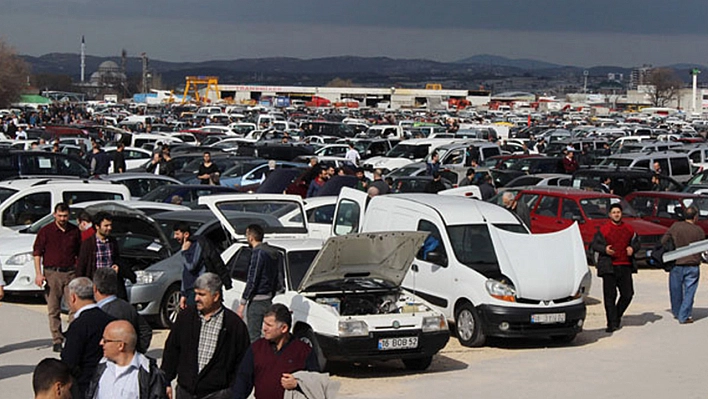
x: 56, y: 348
x: 687, y: 321
x: 611, y: 329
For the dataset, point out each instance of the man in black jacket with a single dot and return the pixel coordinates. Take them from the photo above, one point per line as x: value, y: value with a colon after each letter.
x: 205, y: 345
x: 82, y: 349
x: 105, y: 288
x: 261, y: 281
x: 198, y: 256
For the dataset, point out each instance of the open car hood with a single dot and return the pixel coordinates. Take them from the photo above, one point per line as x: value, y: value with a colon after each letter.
x: 542, y: 266
x: 384, y: 256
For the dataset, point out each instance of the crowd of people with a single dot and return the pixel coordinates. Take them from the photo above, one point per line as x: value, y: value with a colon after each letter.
x: 211, y: 351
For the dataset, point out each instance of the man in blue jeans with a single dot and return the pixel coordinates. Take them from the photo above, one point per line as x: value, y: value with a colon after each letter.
x: 683, y: 278
x: 261, y: 282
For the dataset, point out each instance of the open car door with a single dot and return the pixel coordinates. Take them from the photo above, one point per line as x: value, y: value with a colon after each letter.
x: 349, y: 213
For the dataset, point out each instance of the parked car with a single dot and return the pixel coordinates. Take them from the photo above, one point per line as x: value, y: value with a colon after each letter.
x: 185, y: 194
x: 556, y: 208
x: 157, y: 290
x: 622, y: 180
x: 140, y: 240
x: 15, y: 164
x: 346, y: 299
x: 673, y: 164
x: 471, y: 270
x: 24, y: 201
x: 666, y: 208
x: 140, y: 184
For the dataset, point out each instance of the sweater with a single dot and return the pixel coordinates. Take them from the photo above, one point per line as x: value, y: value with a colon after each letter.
x: 684, y: 233
x: 263, y: 366
x: 619, y: 237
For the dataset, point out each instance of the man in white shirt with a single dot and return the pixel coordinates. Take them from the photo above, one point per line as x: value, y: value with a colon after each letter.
x: 123, y: 372
x: 352, y: 155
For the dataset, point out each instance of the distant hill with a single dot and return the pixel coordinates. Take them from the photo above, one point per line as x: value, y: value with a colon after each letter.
x: 521, y: 63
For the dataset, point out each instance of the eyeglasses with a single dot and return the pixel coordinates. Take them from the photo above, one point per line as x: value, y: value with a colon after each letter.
x: 111, y: 340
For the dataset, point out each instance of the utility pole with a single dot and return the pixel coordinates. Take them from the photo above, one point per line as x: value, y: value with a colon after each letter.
x: 145, y: 72
x: 694, y: 73
x: 83, y: 58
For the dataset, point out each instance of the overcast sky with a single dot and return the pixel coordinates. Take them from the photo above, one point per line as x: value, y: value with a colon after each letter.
x: 570, y: 32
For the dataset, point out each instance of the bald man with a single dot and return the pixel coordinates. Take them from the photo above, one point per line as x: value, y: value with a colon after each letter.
x: 123, y: 372
x: 517, y: 207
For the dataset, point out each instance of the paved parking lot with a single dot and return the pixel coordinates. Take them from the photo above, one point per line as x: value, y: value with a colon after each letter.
x: 652, y: 356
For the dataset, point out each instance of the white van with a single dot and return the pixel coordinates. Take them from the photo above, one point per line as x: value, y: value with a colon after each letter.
x: 480, y: 266
x: 25, y: 201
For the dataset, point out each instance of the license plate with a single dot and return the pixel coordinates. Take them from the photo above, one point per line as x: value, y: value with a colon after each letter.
x: 386, y: 344
x: 548, y: 318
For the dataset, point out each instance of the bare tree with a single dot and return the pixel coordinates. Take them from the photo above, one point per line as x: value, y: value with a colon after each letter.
x: 13, y: 75
x: 664, y: 86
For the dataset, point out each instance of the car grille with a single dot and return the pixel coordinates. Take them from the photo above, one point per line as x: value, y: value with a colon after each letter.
x: 537, y: 302
x: 649, y: 240
x: 8, y: 276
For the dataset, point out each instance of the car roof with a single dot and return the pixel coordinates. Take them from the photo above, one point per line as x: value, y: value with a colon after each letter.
x: 567, y: 192
x: 665, y: 194
x: 456, y: 210
x: 637, y: 155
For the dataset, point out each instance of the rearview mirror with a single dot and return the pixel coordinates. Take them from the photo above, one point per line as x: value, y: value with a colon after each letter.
x: 438, y: 258
x: 579, y: 219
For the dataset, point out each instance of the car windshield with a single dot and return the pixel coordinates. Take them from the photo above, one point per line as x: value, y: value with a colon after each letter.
x: 271, y: 211
x: 298, y: 264
x: 473, y: 246
x: 614, y: 162
x: 700, y: 203
x: 5, y: 193
x: 408, y: 151
x: 522, y: 164
x: 158, y: 194
x: 599, y: 208
x: 404, y: 171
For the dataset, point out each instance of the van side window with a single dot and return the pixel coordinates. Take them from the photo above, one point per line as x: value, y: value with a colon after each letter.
x: 642, y: 164
x: 455, y: 157
x: 347, y: 218
x: 433, y: 243
x: 490, y: 152
x: 680, y: 166
x: 664, y: 164
x: 74, y: 197
x: 27, y: 209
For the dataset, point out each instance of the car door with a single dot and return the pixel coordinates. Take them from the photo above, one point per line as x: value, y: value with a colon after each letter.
x: 430, y: 267
x: 544, y: 218
x: 349, y: 213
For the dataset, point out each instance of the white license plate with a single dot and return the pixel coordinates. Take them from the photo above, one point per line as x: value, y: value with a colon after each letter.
x: 548, y: 318
x: 386, y: 344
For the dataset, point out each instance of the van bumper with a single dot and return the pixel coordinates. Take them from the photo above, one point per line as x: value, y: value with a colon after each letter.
x: 519, y: 320
x: 367, y: 348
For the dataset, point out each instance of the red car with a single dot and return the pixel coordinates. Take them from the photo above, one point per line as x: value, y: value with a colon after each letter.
x: 555, y: 208
x: 665, y: 207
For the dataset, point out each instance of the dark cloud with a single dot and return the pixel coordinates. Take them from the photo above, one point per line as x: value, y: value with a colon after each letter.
x: 576, y: 32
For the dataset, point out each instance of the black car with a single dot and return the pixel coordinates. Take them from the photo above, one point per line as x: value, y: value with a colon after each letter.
x: 187, y: 194
x: 623, y: 180
x: 15, y: 164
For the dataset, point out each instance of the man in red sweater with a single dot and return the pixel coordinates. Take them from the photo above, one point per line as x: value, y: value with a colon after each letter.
x: 270, y: 362
x: 616, y: 242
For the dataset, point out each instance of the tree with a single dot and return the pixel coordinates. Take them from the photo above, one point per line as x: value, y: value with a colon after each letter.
x: 339, y: 82
x: 664, y: 86
x: 13, y: 75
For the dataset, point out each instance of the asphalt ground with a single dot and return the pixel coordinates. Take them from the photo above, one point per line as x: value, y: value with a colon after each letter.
x: 652, y: 356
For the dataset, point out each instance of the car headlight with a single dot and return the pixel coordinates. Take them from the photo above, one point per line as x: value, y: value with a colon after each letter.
x: 147, y: 277
x: 434, y: 323
x: 353, y: 328
x: 501, y: 290
x: 585, y: 284
x: 20, y: 259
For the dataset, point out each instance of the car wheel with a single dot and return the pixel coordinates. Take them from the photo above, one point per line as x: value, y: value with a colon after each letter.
x: 169, y: 307
x: 418, y: 364
x: 468, y: 326
x: 307, y: 336
x: 564, y: 339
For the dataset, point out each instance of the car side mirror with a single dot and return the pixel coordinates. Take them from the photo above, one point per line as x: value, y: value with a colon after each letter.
x: 438, y: 258
x: 579, y: 219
